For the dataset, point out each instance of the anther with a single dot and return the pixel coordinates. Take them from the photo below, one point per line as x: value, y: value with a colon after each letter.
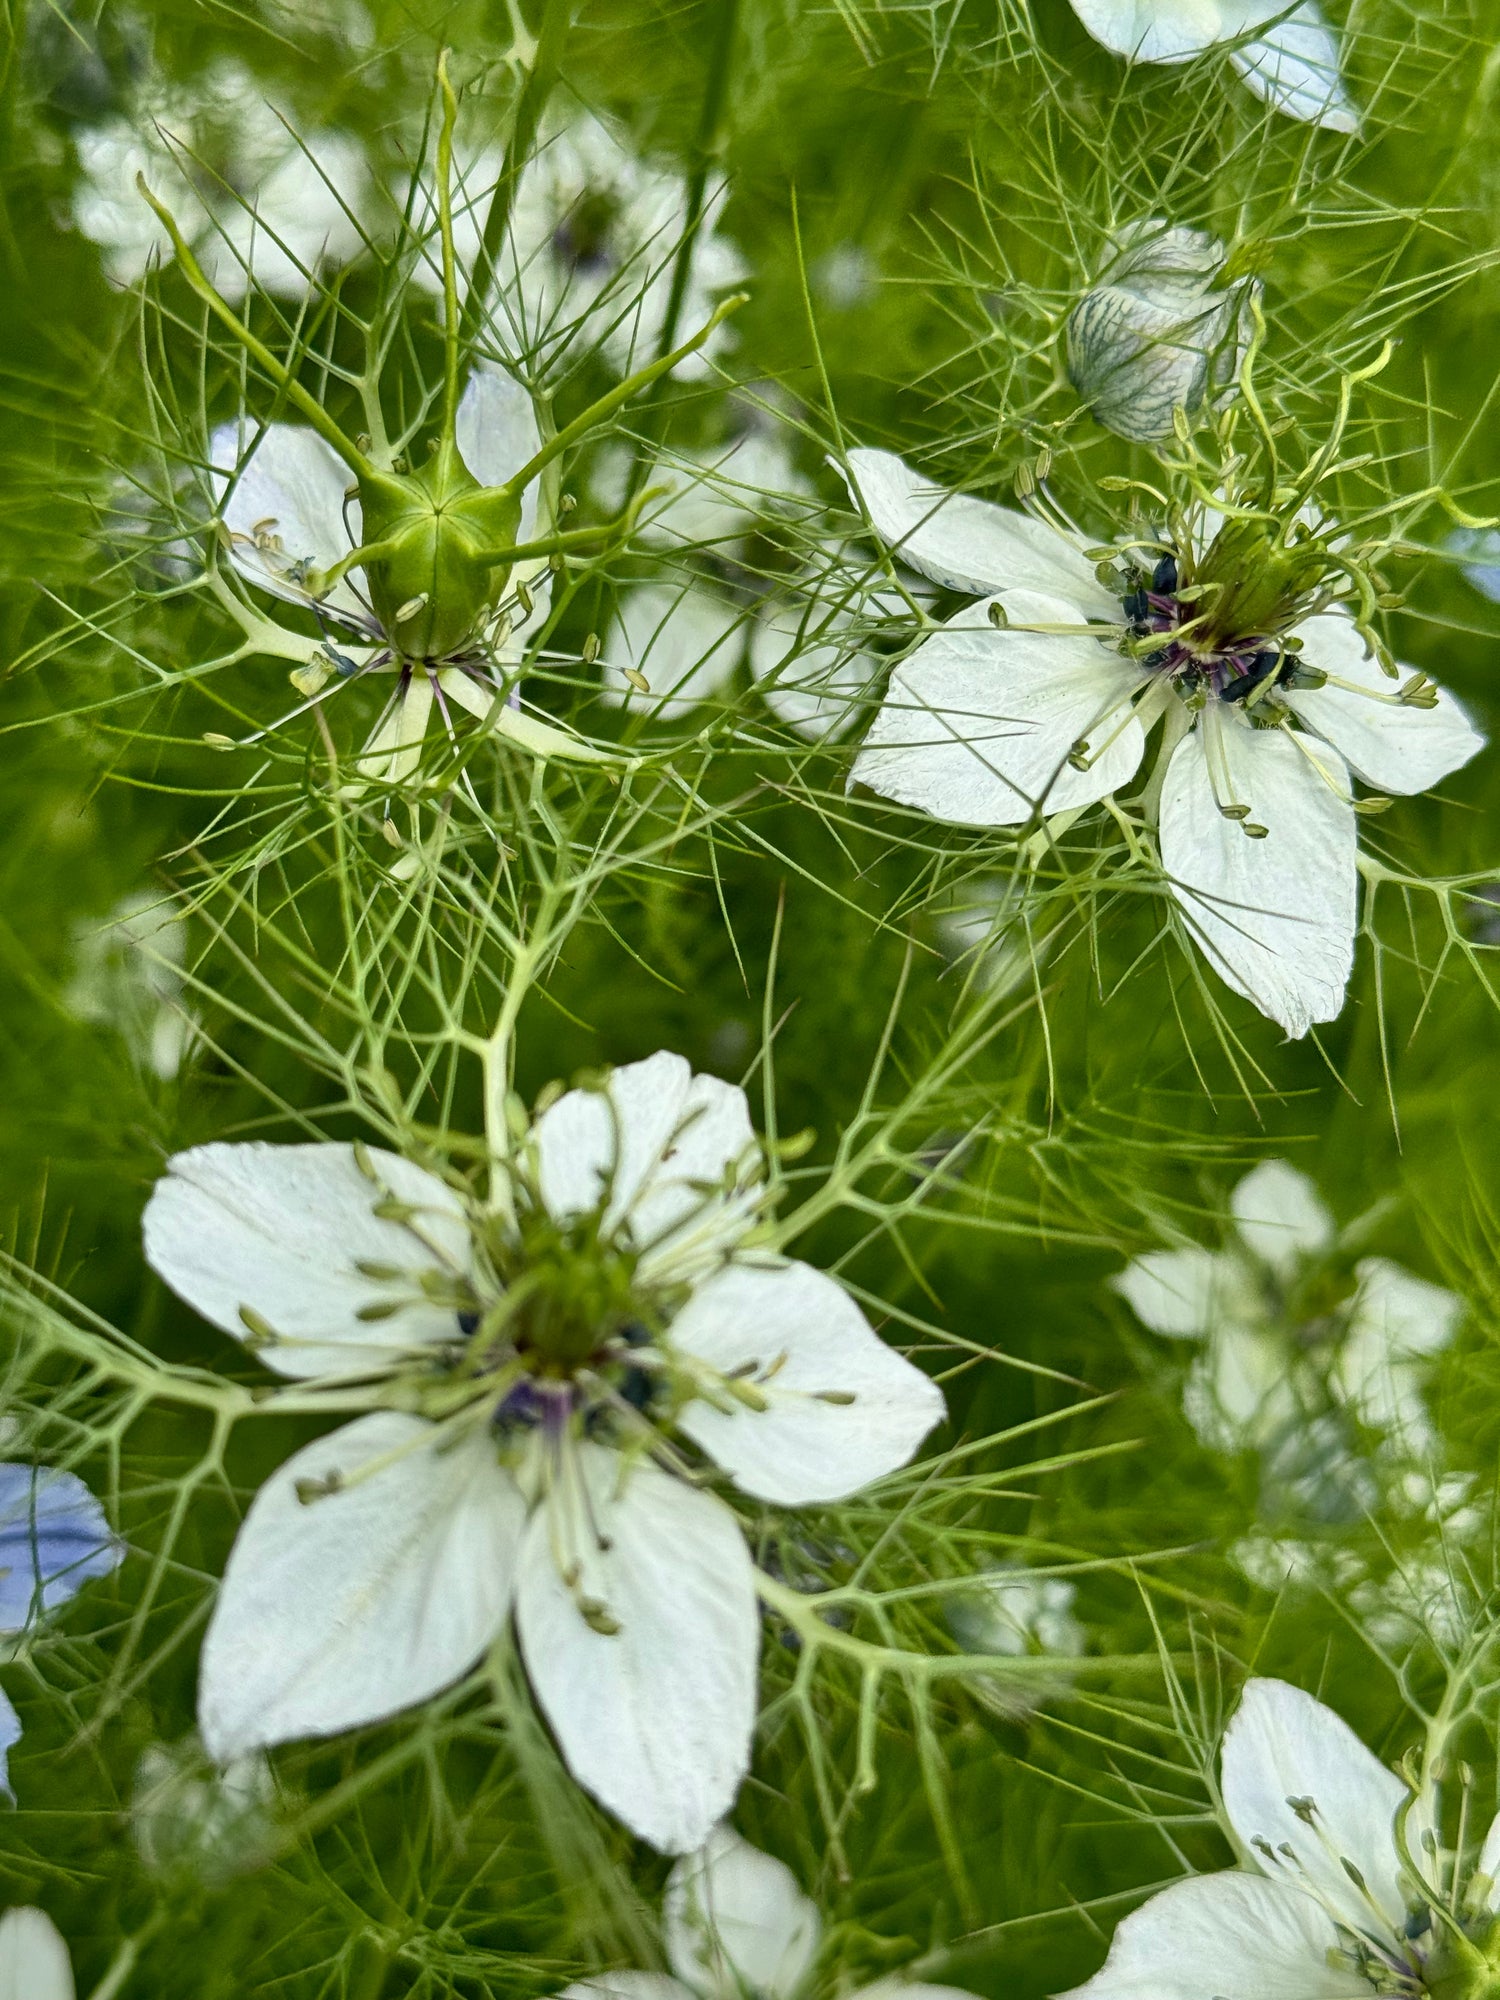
x: 591, y: 649
x: 1304, y: 1808
x: 637, y: 679
x: 308, y: 1490
x: 998, y: 616
x: 258, y: 1331
x: 410, y: 608
x: 1164, y: 576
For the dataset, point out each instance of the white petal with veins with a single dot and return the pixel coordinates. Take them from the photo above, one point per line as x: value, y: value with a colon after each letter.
x: 1396, y: 748
x: 282, y: 1230
x: 1274, y: 917
x: 792, y: 1333
x: 345, y: 1608
x: 654, y: 1717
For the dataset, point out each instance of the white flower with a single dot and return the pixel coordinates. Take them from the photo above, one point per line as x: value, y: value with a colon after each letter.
x: 1012, y: 1611
x: 1284, y: 1339
x: 254, y: 202
x: 206, y: 1822
x: 283, y: 496
x: 1257, y: 830
x: 810, y: 653
x: 594, y: 234
x: 1287, y: 54
x: 672, y: 647
x: 738, y: 1927
x: 34, y: 1963
x: 522, y: 1362
x: 1158, y: 331
x: 1336, y: 1900
x: 979, y: 931
x: 128, y: 976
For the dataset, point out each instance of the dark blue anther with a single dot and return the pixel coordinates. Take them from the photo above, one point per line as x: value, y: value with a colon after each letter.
x: 1164, y: 576
x: 1136, y: 606
x: 1255, y: 675
x: 468, y: 1323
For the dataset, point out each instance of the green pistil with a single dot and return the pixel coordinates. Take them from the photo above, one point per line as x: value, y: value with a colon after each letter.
x: 1251, y: 584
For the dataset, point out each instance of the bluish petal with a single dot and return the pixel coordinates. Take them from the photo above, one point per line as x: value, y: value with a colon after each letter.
x: 10, y: 1736
x: 53, y: 1538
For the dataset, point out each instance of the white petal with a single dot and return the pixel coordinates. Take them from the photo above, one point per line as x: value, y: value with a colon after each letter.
x: 1274, y: 917
x: 1160, y: 31
x: 1405, y: 1314
x: 1283, y: 1744
x: 627, y: 1986
x: 1224, y: 1937
x: 1396, y: 1322
x: 1395, y: 749
x: 977, y: 725
x: 296, y: 219
x: 1179, y: 1292
x: 973, y: 545
x: 497, y: 433
x: 292, y: 487
x: 687, y: 642
x: 1280, y: 1216
x: 651, y: 1145
x: 1488, y: 1863
x: 811, y: 674
x: 34, y: 1961
x: 655, y: 1718
x: 911, y: 1989
x: 735, y: 1920
x: 280, y: 1230
x: 793, y: 1333
x: 1294, y: 64
x: 348, y: 1607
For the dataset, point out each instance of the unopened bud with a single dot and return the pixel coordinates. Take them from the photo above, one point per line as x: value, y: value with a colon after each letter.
x: 1160, y: 333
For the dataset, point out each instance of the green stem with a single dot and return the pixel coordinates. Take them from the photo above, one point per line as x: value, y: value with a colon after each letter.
x: 445, y: 228
x: 532, y: 102
x: 618, y: 530
x: 705, y: 152
x: 306, y: 404
x: 621, y: 394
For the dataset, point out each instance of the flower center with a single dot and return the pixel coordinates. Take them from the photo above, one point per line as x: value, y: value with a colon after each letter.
x: 582, y: 239
x: 1176, y: 632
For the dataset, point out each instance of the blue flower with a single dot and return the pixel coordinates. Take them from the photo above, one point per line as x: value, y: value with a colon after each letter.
x: 53, y: 1538
x: 10, y: 1735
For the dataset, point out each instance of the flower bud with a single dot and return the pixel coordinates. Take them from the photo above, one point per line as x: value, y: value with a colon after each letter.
x: 1159, y: 331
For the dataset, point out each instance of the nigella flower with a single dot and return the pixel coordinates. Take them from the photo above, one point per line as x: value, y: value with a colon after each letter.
x: 525, y: 1362
x: 1011, y: 1611
x: 284, y: 497
x: 34, y: 1962
x: 1291, y: 1340
x: 1287, y: 54
x: 128, y: 975
x: 1343, y: 1892
x: 53, y: 1538
x: 737, y: 1927
x: 1162, y: 328
x: 1226, y: 628
x: 257, y: 205
x: 593, y: 244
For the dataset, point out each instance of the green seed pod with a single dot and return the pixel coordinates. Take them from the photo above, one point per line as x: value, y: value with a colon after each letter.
x: 436, y: 578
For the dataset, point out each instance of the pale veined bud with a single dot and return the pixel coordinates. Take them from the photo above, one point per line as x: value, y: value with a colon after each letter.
x: 1160, y: 331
